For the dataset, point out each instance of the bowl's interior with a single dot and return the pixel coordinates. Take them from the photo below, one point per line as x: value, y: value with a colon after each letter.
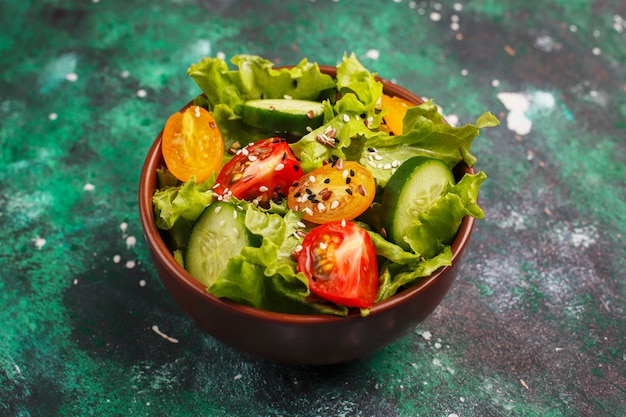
x: 148, y: 183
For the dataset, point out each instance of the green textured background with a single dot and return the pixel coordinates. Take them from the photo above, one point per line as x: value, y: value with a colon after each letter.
x: 535, y: 325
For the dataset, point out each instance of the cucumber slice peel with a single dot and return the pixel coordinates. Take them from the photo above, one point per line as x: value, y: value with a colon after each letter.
x: 411, y: 190
x: 283, y: 115
x: 218, y: 234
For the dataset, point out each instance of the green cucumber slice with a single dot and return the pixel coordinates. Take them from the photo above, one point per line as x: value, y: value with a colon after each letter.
x: 283, y: 115
x: 412, y: 189
x: 218, y: 234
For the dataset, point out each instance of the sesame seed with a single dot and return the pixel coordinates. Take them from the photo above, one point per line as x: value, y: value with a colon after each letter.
x: 263, y: 189
x: 301, y: 224
x: 349, y: 191
x: 321, y: 207
x: 387, y: 166
x: 252, y: 158
x: 218, y: 209
x: 345, y: 174
x: 343, y: 222
x: 308, y: 211
x: 234, y: 214
x: 378, y: 157
x: 334, y: 204
x: 372, y: 164
x: 287, y: 97
x: 235, y: 232
x: 312, y: 178
x: 323, y: 245
x: 395, y: 163
x: 362, y: 190
x: 348, y: 180
x: 279, y: 167
x: 309, y: 129
x: 346, y: 118
x: 245, y: 151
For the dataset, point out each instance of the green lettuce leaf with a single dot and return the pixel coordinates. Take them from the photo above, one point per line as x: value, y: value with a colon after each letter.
x: 426, y: 135
x: 394, y: 277
x: 439, y: 224
x: 186, y: 201
x: 266, y: 277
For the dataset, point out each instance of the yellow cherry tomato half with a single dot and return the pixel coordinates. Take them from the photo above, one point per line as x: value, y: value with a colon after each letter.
x: 192, y: 144
x: 341, y: 190
x: 396, y: 109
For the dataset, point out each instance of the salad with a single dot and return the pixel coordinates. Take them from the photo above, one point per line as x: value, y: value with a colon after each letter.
x: 295, y: 191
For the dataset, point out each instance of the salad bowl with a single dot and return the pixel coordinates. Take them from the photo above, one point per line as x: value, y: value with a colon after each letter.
x: 297, y: 338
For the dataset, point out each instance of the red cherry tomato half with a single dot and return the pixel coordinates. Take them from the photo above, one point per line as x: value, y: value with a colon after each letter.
x: 261, y: 171
x: 339, y: 261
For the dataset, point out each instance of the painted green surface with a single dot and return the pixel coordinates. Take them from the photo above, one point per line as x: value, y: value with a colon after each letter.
x: 536, y: 322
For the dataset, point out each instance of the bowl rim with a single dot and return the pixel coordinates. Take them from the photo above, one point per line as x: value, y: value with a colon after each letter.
x: 158, y: 248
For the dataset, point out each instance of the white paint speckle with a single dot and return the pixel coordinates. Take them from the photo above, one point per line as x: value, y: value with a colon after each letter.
x: 453, y: 415
x: 123, y: 227
x: 573, y: 28
x: 89, y: 187
x: 131, y: 241
x: 455, y: 26
x: 155, y: 329
x: 426, y: 335
x: 517, y: 104
x: 141, y: 93
x: 464, y: 72
x: 117, y: 259
x: 39, y: 242
x: 221, y: 55
x: 130, y: 264
x: 53, y: 116
x: 596, y: 51
x: 373, y: 54
x: 458, y: 7
x: 546, y: 43
x: 75, y: 282
x: 71, y: 77
x: 237, y: 377
x: 142, y: 283
x: 495, y: 83
x: 453, y: 119
x: 435, y: 16
x: 125, y: 74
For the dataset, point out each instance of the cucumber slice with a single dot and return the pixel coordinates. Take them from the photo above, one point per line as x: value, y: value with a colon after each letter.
x: 412, y: 189
x: 283, y: 115
x: 219, y: 234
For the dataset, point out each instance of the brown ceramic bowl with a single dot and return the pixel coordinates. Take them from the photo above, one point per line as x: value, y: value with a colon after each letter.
x: 291, y: 338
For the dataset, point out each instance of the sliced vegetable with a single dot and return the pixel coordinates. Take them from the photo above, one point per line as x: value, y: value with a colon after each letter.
x: 192, y: 144
x: 220, y: 230
x: 283, y: 115
x: 411, y: 190
x: 259, y: 172
x: 334, y: 191
x: 339, y: 261
x: 396, y: 108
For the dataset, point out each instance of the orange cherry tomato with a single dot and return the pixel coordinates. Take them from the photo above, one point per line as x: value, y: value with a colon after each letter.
x: 192, y: 144
x: 396, y: 109
x: 339, y: 262
x: 341, y: 190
